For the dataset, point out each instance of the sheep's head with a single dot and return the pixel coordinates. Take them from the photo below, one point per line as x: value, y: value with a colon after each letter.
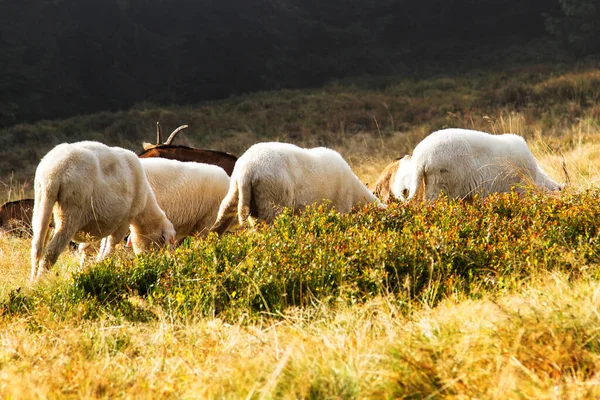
x: 400, y: 185
x: 144, y: 242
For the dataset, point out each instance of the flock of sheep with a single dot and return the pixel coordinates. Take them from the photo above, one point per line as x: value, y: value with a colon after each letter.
x: 94, y: 192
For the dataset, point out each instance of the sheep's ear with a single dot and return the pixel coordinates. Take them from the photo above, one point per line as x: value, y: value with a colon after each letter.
x: 148, y: 146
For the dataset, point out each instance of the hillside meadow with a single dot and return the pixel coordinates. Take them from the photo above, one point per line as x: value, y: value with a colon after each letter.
x: 495, y: 299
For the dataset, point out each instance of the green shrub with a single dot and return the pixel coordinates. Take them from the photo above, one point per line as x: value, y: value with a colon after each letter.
x: 17, y: 303
x: 419, y: 252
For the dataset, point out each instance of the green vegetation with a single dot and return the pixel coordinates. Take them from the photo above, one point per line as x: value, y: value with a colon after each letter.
x: 420, y: 254
x: 411, y: 301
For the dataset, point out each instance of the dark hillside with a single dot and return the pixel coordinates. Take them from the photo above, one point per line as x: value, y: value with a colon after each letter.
x: 64, y: 57
x: 384, y: 116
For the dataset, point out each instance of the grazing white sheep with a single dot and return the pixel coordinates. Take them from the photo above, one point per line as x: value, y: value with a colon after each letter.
x: 94, y: 192
x: 462, y: 163
x: 271, y: 176
x: 188, y: 192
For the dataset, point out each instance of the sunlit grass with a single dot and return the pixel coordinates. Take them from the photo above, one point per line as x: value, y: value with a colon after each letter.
x: 540, y: 343
x: 523, y: 323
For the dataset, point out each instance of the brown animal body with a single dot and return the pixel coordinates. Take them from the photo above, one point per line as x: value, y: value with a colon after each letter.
x: 15, y: 217
x: 185, y: 153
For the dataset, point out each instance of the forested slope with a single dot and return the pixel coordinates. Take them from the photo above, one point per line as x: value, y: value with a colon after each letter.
x: 65, y: 57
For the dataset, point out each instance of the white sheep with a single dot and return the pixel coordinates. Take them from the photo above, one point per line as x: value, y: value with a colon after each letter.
x: 188, y: 192
x: 94, y: 192
x: 462, y: 163
x: 271, y: 176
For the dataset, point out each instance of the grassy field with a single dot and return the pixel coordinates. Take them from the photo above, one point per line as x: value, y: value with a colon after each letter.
x: 496, y: 299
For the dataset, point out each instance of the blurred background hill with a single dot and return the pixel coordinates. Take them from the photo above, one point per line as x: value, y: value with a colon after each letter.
x: 65, y: 57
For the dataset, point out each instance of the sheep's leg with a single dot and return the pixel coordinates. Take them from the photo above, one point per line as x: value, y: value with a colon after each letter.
x: 244, y: 202
x: 63, y: 234
x: 431, y: 193
x: 267, y: 212
x: 42, y: 214
x: 102, y: 249
x: 434, y: 184
x: 270, y: 203
x: 83, y: 250
x: 109, y: 242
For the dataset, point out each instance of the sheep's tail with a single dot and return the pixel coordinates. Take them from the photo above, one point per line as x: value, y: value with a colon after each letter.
x: 45, y: 197
x: 227, y: 214
x: 417, y: 181
x: 245, y: 198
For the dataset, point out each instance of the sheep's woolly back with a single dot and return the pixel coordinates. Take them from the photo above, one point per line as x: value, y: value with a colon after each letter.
x: 87, y: 179
x: 188, y: 192
x: 462, y: 163
x: 271, y: 176
x: 94, y: 191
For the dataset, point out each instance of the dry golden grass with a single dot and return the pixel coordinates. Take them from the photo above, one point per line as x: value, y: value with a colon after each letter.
x: 539, y: 343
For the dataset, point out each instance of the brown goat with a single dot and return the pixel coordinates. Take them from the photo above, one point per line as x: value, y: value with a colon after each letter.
x: 15, y: 217
x: 185, y: 153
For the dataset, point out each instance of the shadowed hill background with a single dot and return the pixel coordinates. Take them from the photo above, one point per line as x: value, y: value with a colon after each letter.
x: 64, y: 57
x: 370, y: 121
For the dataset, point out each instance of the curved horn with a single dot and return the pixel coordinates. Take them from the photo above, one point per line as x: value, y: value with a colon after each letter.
x: 174, y: 133
x: 158, y: 140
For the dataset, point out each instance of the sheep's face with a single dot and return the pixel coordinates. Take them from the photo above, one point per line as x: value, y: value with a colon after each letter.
x: 142, y: 243
x: 401, y: 182
x: 543, y: 181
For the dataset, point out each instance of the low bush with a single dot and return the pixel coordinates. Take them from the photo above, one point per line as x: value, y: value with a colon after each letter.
x: 421, y: 253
